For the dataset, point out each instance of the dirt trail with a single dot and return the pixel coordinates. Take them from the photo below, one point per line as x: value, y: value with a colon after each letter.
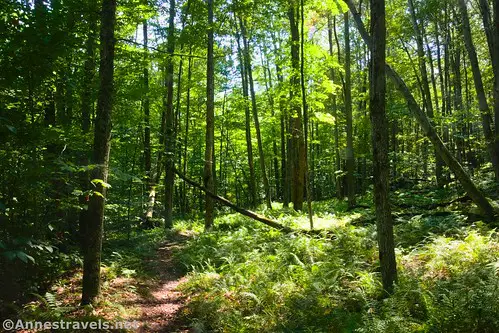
x: 161, y: 303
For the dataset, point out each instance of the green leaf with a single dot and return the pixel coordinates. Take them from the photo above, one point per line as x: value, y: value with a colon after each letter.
x: 24, y: 257
x: 325, y: 118
x: 12, y: 129
x: 101, y: 182
x: 97, y: 193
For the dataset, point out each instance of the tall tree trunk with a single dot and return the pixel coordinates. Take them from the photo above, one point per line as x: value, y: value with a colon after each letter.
x: 495, y: 34
x: 458, y: 106
x: 147, y: 121
x: 381, y: 163
x: 186, y: 133
x: 493, y: 148
x: 268, y: 87
x: 296, y: 126
x: 348, y: 115
x: 285, y: 171
x: 247, y: 123
x: 249, y: 70
x: 147, y: 132
x: 337, y: 162
x: 476, y: 195
x: 424, y: 78
x: 439, y: 173
x: 492, y: 33
x: 305, y: 116
x: 170, y: 130
x: 87, y: 104
x: 209, y: 183
x: 102, y: 139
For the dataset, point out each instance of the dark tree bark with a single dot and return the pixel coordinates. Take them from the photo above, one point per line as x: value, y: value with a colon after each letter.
x: 261, y: 155
x: 170, y: 120
x: 186, y: 133
x: 424, y: 79
x: 247, y: 123
x: 305, y: 116
x: 285, y: 171
x: 102, y: 139
x: 147, y: 124
x: 477, y: 196
x: 348, y: 115
x: 297, y: 151
x: 495, y: 34
x: 147, y: 133
x: 492, y: 33
x: 268, y: 87
x: 458, y: 106
x: 209, y: 183
x: 381, y: 163
x: 487, y: 123
x: 87, y: 105
x: 331, y: 28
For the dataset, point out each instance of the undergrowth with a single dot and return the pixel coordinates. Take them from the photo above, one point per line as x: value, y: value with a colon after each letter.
x: 247, y: 278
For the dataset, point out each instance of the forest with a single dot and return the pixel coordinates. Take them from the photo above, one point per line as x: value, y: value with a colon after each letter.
x: 249, y: 165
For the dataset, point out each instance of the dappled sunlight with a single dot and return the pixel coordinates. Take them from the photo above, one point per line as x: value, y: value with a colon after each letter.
x: 260, y: 279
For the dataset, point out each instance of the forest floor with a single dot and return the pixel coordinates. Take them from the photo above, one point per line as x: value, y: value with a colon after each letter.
x: 161, y: 303
x: 140, y: 280
x: 244, y: 276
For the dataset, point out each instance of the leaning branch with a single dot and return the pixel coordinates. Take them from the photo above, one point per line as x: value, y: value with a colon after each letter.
x: 476, y: 195
x: 238, y: 209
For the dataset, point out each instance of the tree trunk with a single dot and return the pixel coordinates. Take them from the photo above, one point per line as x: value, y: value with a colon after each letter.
x: 285, y: 171
x: 381, y: 163
x: 247, y: 117
x: 240, y: 210
x: 87, y: 104
x: 305, y: 117
x: 492, y: 33
x: 170, y: 120
x: 210, y: 124
x: 296, y: 126
x: 476, y: 195
x: 249, y: 70
x: 493, y: 148
x: 337, y: 168
x: 495, y: 34
x: 424, y: 79
x: 147, y: 123
x: 186, y: 133
x: 147, y: 133
x: 348, y: 115
x: 268, y: 87
x: 102, y: 138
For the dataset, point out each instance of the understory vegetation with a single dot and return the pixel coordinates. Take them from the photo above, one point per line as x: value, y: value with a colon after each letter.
x: 245, y: 277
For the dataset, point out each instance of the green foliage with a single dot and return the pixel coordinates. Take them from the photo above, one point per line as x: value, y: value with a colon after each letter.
x: 247, y: 278
x: 51, y: 309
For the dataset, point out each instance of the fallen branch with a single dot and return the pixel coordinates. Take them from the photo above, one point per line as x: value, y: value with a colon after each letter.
x: 238, y: 209
x: 434, y: 205
x: 362, y: 221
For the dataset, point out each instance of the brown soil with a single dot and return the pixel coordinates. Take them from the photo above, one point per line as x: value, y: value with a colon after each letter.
x: 162, y: 304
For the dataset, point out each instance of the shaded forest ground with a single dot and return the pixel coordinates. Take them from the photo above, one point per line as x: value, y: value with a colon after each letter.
x: 243, y: 276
